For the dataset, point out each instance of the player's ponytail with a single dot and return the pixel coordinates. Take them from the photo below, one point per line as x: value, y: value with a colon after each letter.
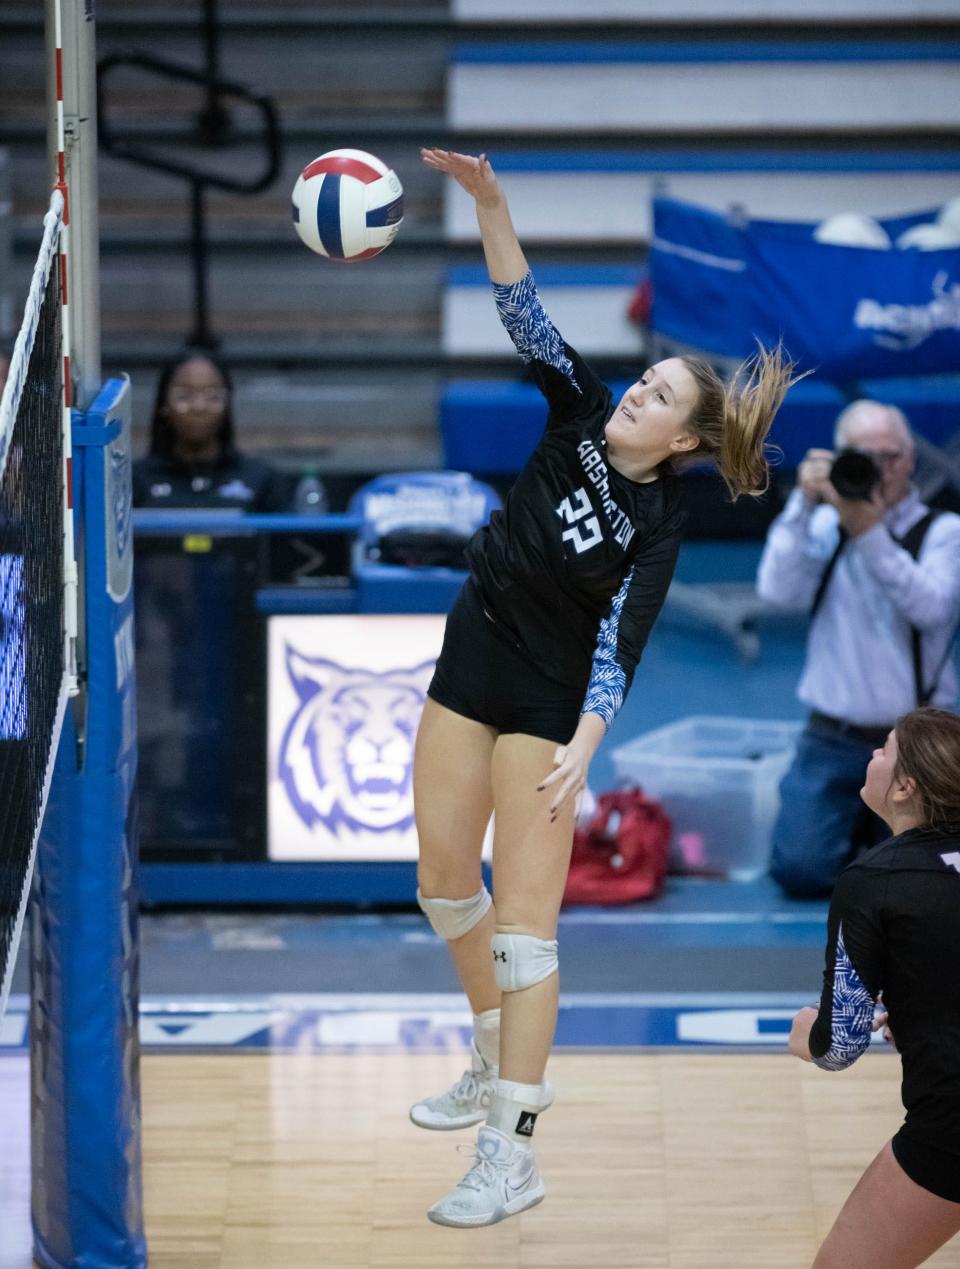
x: 731, y: 420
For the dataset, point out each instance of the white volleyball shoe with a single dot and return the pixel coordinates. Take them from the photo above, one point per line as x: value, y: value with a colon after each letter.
x: 502, y: 1181
x: 464, y: 1104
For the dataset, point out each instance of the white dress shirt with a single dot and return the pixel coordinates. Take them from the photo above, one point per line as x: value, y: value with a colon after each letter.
x: 859, y: 664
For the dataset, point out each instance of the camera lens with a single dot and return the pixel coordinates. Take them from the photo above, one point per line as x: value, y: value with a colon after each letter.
x: 854, y: 475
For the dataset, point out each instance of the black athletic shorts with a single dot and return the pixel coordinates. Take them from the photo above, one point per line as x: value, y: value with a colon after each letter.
x: 936, y: 1170
x: 483, y: 674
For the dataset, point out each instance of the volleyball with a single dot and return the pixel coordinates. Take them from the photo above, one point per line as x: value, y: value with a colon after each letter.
x: 347, y: 205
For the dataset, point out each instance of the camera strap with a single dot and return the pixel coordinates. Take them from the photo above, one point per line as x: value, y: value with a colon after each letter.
x: 828, y: 573
x: 911, y: 542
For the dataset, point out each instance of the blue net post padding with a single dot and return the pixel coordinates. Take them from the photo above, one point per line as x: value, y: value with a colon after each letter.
x: 85, y: 1106
x: 846, y: 313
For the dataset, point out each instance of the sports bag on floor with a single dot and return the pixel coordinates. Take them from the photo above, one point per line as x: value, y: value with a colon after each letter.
x: 621, y: 855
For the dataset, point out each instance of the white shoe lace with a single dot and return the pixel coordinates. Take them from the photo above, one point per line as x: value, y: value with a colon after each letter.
x: 484, y: 1171
x: 467, y: 1088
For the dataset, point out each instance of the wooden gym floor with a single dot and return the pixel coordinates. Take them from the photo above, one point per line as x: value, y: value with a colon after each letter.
x: 653, y: 1160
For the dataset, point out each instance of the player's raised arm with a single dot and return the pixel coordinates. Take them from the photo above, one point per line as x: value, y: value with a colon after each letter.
x: 506, y: 262
x: 534, y: 336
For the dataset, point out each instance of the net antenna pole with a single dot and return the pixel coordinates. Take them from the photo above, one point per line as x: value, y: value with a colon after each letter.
x: 72, y: 136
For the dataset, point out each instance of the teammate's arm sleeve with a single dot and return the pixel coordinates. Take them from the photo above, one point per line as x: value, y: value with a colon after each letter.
x: 625, y: 629
x: 852, y: 973
x: 562, y: 375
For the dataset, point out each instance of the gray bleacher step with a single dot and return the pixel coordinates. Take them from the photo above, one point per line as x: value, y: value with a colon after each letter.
x: 341, y: 421
x: 283, y: 351
x: 156, y: 206
x: 268, y: 294
x: 118, y: 17
x: 271, y: 402
x: 335, y: 450
x: 309, y: 73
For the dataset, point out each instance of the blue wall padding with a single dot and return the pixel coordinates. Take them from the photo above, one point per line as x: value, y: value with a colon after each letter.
x: 491, y: 426
x: 389, y: 588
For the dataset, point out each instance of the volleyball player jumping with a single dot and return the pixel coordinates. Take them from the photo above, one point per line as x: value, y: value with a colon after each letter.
x: 539, y: 651
x: 894, y: 928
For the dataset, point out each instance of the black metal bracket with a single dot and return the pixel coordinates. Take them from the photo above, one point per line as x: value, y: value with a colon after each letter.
x: 218, y: 92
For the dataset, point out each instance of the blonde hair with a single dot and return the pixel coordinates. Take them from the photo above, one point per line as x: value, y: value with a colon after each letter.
x: 928, y: 751
x: 731, y: 420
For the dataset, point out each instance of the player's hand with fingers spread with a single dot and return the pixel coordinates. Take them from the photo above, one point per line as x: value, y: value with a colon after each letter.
x: 473, y: 173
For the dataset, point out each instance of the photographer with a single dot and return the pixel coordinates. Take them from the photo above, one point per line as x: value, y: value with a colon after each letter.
x: 880, y: 575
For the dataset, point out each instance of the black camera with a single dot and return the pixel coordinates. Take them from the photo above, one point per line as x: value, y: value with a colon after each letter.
x: 854, y: 475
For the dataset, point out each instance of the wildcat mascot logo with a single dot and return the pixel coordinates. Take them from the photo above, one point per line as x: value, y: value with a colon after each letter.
x: 346, y: 759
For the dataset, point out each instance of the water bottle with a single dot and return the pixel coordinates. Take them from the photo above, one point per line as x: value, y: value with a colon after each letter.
x: 310, y: 497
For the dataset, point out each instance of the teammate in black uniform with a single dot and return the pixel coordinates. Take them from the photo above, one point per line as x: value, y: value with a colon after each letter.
x: 894, y: 929
x: 193, y: 459
x: 539, y: 651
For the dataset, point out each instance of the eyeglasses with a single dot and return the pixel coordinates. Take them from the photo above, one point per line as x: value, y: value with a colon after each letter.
x: 184, y: 398
x: 884, y: 457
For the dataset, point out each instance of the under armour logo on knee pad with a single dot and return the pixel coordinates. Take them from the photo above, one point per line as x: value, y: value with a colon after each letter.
x: 522, y: 960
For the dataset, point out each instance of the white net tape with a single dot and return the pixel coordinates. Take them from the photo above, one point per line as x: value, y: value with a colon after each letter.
x: 20, y: 360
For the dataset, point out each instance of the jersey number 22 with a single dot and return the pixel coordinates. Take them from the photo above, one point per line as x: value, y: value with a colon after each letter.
x: 584, y: 533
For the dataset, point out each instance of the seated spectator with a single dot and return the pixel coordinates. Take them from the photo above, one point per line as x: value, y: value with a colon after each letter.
x: 880, y: 576
x: 193, y: 459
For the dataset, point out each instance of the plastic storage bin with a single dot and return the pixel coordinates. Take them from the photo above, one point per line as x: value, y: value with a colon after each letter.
x: 718, y: 779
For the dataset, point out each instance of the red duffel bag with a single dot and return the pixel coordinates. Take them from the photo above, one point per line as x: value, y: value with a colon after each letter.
x: 621, y: 855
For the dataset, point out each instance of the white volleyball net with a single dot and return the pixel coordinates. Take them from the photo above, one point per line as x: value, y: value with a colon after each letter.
x: 36, y: 552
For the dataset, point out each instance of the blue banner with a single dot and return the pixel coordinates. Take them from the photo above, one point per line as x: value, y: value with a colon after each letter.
x: 85, y: 1050
x: 845, y: 312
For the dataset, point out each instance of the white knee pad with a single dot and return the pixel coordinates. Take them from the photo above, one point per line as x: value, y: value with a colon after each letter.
x: 520, y: 960
x: 453, y: 918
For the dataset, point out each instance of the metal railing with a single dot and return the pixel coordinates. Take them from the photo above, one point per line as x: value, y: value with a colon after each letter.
x: 212, y: 131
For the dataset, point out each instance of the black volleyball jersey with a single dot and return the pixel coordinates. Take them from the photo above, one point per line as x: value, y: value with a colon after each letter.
x: 576, y: 566
x: 894, y: 928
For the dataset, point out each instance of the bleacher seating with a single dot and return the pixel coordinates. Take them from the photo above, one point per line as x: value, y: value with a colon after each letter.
x: 587, y: 303
x: 697, y: 11
x: 802, y: 109
x: 773, y: 115
x: 593, y: 195
x: 349, y: 340
x: 695, y: 86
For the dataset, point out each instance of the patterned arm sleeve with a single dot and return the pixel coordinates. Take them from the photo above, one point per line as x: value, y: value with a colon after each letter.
x: 624, y: 631
x: 851, y: 977
x: 534, y: 335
